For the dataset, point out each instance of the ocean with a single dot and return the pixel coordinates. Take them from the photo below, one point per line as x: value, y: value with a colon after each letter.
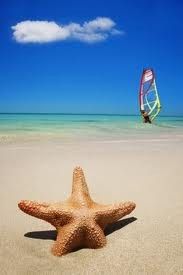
x: 68, y: 127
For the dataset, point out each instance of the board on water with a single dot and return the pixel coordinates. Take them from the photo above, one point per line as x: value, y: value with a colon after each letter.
x: 148, y: 95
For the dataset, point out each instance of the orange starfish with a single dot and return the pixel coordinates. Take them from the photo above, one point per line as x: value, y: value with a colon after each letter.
x: 79, y: 220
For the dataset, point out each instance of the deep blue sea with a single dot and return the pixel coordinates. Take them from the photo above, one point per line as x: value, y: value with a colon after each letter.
x: 68, y: 126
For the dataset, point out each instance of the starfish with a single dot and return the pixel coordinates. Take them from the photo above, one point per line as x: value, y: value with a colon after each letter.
x: 79, y: 221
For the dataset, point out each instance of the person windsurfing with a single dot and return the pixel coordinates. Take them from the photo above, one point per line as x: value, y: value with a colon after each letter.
x: 146, y: 118
x: 149, y: 101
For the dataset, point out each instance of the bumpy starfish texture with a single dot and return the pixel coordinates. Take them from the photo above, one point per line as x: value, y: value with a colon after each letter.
x: 79, y: 221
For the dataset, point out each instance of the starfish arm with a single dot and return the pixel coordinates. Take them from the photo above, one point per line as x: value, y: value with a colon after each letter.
x: 80, y: 192
x: 45, y: 212
x: 94, y: 237
x: 112, y: 213
x: 33, y: 208
x: 69, y: 237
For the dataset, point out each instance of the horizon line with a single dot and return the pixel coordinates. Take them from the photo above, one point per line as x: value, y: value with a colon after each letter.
x: 58, y: 113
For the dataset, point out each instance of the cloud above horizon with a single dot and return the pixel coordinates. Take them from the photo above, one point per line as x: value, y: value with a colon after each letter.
x: 93, y: 31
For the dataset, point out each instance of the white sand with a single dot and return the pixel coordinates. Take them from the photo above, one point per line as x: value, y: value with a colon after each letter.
x: 149, y: 173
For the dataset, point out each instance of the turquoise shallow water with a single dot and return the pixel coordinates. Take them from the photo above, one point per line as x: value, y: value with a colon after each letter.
x: 85, y: 126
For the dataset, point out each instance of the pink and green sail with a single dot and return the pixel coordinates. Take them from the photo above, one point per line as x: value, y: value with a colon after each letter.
x: 148, y: 95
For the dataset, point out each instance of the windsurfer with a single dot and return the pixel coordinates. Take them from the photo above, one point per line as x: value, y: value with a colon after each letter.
x: 145, y: 116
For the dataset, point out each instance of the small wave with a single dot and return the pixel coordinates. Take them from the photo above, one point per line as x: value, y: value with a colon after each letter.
x: 163, y: 125
x: 85, y: 121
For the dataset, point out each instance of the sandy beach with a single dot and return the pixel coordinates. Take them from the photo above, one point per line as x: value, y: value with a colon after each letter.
x: 149, y: 172
x: 93, y: 87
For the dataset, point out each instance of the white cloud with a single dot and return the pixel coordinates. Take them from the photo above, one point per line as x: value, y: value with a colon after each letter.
x: 93, y: 31
x: 39, y: 31
x: 99, y: 24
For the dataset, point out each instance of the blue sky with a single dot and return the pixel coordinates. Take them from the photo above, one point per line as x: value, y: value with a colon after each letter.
x: 95, y: 69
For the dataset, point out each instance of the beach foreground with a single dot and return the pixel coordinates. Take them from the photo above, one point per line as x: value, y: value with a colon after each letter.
x: 149, y: 172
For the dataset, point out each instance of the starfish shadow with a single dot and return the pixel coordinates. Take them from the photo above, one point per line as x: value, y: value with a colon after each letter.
x: 44, y: 235
x: 52, y: 234
x: 118, y: 225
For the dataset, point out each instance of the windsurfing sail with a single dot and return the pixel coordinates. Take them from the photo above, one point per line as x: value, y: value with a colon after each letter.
x: 148, y: 95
